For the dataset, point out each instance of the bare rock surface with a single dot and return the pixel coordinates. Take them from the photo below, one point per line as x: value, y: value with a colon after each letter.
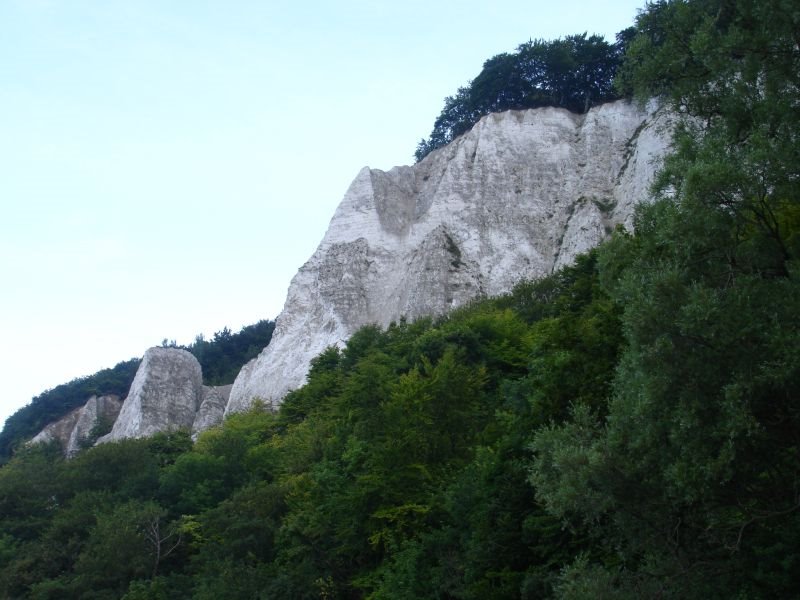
x: 212, y: 408
x: 59, y: 431
x: 74, y: 428
x: 97, y: 410
x: 517, y: 197
x: 165, y: 395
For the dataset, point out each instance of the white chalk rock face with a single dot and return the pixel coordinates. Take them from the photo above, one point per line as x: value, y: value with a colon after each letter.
x: 59, y: 431
x: 103, y: 409
x: 165, y: 395
x: 73, y: 429
x: 517, y: 197
x: 212, y: 408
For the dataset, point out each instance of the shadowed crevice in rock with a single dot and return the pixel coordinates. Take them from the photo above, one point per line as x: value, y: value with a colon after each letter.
x: 212, y: 408
x: 97, y: 412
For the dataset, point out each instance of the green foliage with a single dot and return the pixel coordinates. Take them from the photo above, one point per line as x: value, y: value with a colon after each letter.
x: 575, y: 73
x: 117, y: 550
x: 28, y: 489
x: 691, y: 475
x: 399, y: 470
x: 223, y: 356
x: 102, y: 426
x: 87, y: 527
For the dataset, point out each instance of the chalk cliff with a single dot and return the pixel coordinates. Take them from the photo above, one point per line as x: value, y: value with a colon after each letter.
x: 59, y: 431
x: 518, y: 196
x: 72, y: 430
x: 212, y: 408
x: 167, y: 394
x: 97, y: 410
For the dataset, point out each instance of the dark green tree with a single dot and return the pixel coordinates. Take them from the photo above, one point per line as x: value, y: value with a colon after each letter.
x: 576, y: 73
x: 691, y: 476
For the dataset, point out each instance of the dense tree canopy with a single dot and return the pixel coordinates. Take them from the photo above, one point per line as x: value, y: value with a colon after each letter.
x: 576, y: 73
x: 692, y: 475
x: 222, y: 357
x: 398, y: 471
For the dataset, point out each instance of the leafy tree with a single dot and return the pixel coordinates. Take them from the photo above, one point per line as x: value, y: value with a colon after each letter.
x: 29, y: 488
x: 126, y: 544
x: 575, y: 73
x: 223, y: 356
x: 690, y: 476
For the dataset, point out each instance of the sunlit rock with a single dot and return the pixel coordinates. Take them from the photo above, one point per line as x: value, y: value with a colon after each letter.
x: 59, y: 431
x: 165, y: 395
x: 517, y: 197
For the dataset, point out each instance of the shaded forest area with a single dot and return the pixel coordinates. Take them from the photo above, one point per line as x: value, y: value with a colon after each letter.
x: 626, y: 428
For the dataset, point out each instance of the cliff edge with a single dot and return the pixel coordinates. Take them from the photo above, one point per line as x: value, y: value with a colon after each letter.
x: 517, y: 197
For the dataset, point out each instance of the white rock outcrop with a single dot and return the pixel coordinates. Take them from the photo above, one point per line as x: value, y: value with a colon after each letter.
x: 102, y: 409
x: 165, y: 395
x: 73, y: 429
x: 59, y: 431
x: 168, y: 394
x: 517, y: 197
x: 212, y: 408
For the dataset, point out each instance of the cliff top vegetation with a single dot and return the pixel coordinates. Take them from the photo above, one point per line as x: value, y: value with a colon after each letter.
x: 576, y: 73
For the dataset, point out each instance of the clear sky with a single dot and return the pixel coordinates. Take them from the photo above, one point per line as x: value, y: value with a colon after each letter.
x: 167, y: 166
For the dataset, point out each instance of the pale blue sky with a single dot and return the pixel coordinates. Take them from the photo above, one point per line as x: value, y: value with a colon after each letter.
x: 167, y: 166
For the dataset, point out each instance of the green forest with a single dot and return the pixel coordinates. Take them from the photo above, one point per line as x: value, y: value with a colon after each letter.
x: 626, y: 428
